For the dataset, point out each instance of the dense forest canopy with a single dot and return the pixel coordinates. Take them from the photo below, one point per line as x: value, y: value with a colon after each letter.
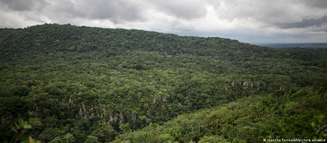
x: 63, y: 83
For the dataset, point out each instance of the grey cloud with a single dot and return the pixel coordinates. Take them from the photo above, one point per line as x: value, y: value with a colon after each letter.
x: 306, y: 22
x: 115, y: 10
x: 185, y: 9
x: 120, y: 11
x: 316, y: 3
x: 278, y: 13
x: 11, y: 19
x: 23, y: 5
x: 190, y: 17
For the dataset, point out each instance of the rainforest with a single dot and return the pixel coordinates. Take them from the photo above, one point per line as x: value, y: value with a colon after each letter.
x: 74, y: 84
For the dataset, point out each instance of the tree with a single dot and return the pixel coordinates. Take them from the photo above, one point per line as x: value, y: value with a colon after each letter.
x: 104, y: 133
x: 67, y: 138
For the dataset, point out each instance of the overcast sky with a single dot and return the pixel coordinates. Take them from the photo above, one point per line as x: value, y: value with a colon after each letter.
x: 255, y: 21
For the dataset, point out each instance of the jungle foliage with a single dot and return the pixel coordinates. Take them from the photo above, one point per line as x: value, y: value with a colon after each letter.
x: 63, y: 83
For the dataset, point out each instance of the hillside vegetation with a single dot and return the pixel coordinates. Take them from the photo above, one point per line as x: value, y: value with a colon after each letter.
x: 63, y: 83
x: 250, y: 119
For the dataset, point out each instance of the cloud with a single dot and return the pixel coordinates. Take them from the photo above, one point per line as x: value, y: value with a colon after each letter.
x: 246, y: 20
x: 15, y: 20
x: 271, y: 13
x: 23, y: 5
x: 316, y: 3
x: 115, y: 10
x: 185, y: 9
x: 307, y: 22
